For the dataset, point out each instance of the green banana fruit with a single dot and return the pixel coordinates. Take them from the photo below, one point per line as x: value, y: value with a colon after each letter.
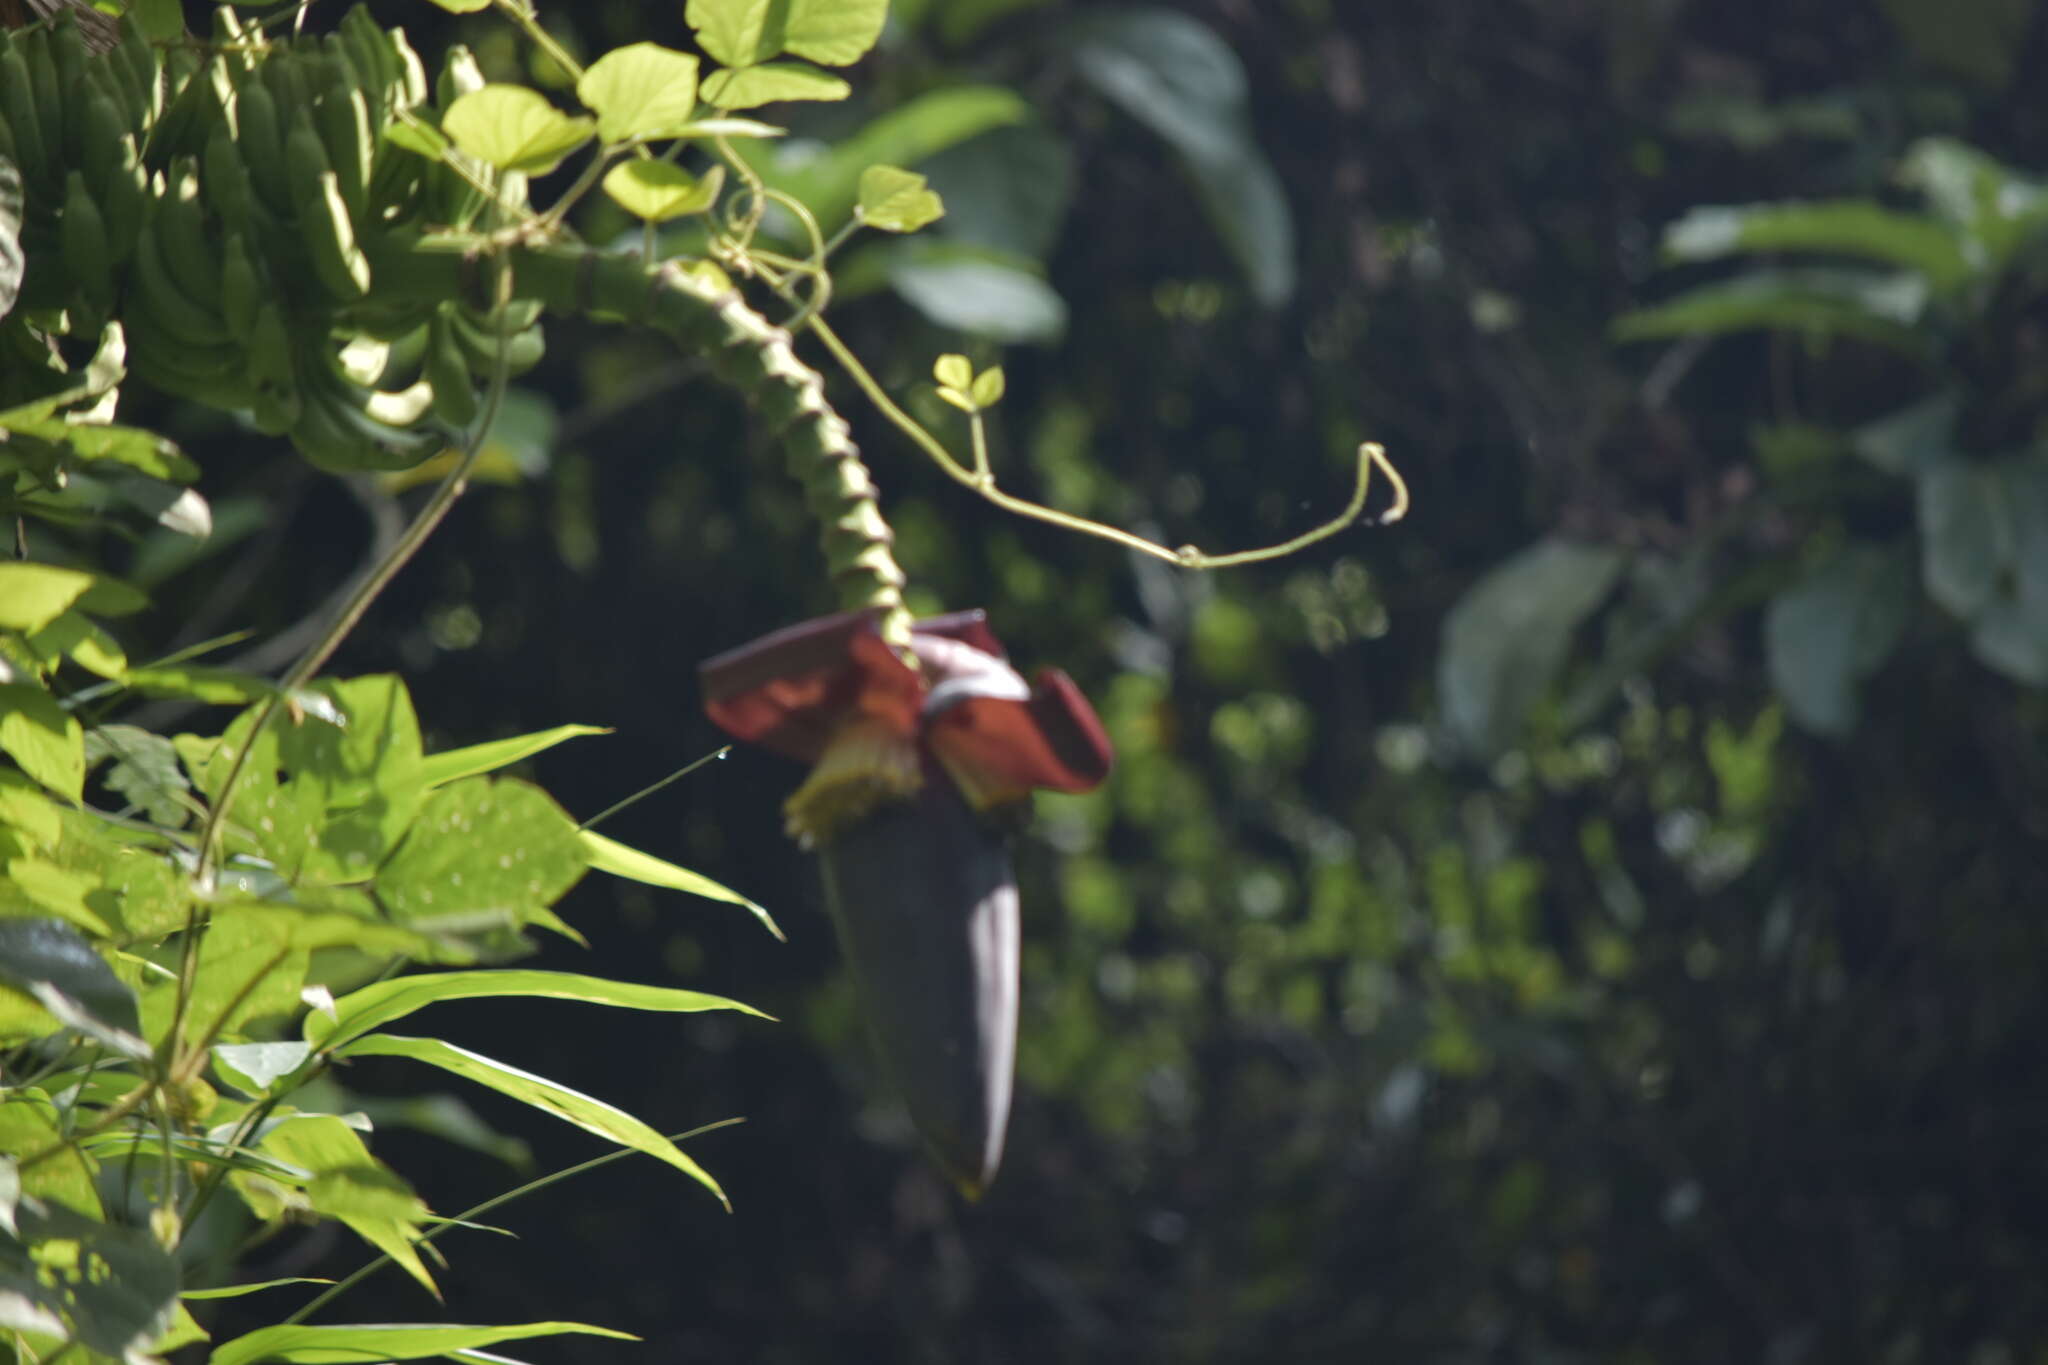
x: 324, y: 222
x: 446, y: 368
x: 135, y: 61
x: 82, y: 238
x: 225, y: 177
x: 277, y: 405
x: 242, y: 295
x: 181, y: 317
x: 261, y: 136
x: 123, y: 199
x: 67, y: 59
x: 18, y: 102
x: 101, y: 118
x: 190, y: 249
x: 344, y: 125
x: 477, y: 336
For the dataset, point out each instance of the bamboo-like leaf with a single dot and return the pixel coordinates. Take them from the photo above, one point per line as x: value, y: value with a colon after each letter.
x: 355, y: 1344
x: 376, y: 1005
x: 572, y: 1106
x: 609, y: 855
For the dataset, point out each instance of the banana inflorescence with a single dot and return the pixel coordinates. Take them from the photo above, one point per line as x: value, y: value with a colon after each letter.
x: 219, y: 200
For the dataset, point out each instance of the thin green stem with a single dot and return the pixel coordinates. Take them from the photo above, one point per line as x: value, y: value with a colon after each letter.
x: 1371, y: 456
x: 470, y: 1215
x: 529, y: 24
x: 984, y: 477
x: 678, y: 775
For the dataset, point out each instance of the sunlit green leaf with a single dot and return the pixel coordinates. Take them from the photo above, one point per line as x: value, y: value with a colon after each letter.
x: 438, y: 770
x: 482, y: 853
x: 34, y: 595
x: 642, y: 90
x: 608, y: 855
x: 254, y: 1066
x: 771, y: 83
x: 344, y: 1182
x: 354, y: 1345
x: 904, y: 136
x: 39, y: 955
x: 895, y: 200
x: 515, y: 129
x: 30, y: 1123
x: 661, y: 190
x: 145, y: 769
x: 235, y: 1291
x: 572, y: 1106
x: 43, y: 738
x: 376, y: 1005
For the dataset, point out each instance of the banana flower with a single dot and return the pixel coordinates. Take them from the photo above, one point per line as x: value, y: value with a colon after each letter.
x: 918, y: 775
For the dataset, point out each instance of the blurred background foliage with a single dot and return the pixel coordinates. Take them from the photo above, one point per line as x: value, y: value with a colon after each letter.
x: 1591, y: 920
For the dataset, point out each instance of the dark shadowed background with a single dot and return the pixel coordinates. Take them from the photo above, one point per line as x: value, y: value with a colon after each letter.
x: 1594, y: 919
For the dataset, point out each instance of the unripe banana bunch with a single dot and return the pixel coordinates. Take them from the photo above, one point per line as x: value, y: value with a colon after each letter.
x: 219, y: 206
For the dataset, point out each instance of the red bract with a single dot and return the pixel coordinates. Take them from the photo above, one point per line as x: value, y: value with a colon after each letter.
x: 831, y: 693
x: 906, y: 765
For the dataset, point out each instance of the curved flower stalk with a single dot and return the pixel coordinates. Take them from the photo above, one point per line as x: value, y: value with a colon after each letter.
x: 917, y: 777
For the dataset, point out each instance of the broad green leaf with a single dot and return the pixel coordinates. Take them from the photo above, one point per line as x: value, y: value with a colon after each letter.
x: 1507, y: 637
x: 145, y: 769
x: 41, y: 956
x: 77, y: 637
x: 29, y: 1123
x: 43, y: 738
x: 344, y: 1182
x: 771, y: 83
x: 197, y: 682
x: 23, y: 807
x: 438, y: 770
x: 572, y: 1106
x: 355, y: 1345
x: 139, y: 449
x: 642, y: 90
x: 1849, y: 227
x: 1828, y: 632
x: 1966, y: 534
x: 738, y: 32
x: 1175, y: 75
x: 253, y: 1067
x: 34, y: 595
x: 1884, y: 309
x: 904, y: 136
x: 138, y: 889
x: 58, y: 891
x: 235, y: 1291
x: 124, y: 1294
x: 253, y: 961
x: 483, y: 853
x: 894, y: 200
x: 661, y: 190
x: 184, y: 1329
x: 835, y: 32
x: 988, y: 387
x: 970, y: 291
x: 608, y: 855
x: 376, y: 1005
x: 514, y: 129
x: 463, y: 6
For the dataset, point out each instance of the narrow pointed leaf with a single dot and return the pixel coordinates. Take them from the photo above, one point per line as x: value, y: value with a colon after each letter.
x: 608, y: 855
x: 438, y: 770
x: 354, y: 1345
x: 572, y: 1106
x: 376, y: 1005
